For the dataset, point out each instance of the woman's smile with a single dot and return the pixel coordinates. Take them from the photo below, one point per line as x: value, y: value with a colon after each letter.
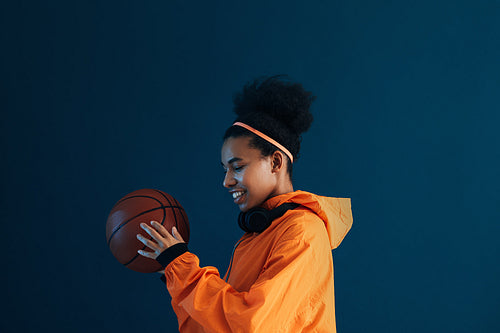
x: 239, y: 197
x: 237, y: 194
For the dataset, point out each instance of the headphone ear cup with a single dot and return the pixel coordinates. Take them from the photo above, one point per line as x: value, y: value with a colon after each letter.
x: 257, y: 219
x: 241, y: 221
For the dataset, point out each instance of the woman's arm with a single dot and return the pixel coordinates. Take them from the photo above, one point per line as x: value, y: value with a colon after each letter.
x: 280, y: 300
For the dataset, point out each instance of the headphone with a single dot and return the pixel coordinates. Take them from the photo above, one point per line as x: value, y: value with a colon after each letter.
x: 259, y: 219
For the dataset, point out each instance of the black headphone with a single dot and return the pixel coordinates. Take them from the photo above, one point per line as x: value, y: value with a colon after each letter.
x: 258, y: 219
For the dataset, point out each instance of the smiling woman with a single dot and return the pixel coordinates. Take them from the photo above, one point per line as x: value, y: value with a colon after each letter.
x: 250, y: 177
x: 280, y: 278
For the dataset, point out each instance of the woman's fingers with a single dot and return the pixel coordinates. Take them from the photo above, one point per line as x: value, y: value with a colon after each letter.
x: 162, y: 239
x: 161, y: 229
x: 151, y: 255
x: 152, y: 232
x: 177, y: 235
x: 152, y: 245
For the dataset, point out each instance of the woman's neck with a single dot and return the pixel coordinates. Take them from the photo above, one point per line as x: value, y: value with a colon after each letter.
x: 282, y: 188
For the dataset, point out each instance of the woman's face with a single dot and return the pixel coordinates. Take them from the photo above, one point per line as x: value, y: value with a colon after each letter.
x: 249, y: 176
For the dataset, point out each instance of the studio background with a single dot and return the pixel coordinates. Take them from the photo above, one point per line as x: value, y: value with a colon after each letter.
x: 100, y: 98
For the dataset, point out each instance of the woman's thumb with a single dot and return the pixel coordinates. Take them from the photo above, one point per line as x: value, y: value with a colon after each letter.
x: 176, y: 234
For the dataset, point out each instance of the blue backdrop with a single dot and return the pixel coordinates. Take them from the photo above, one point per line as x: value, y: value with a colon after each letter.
x: 100, y: 98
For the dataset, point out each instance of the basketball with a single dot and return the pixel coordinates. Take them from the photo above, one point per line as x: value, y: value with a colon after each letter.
x: 124, y: 221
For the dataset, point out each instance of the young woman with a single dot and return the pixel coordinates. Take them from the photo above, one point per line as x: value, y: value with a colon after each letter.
x: 280, y: 278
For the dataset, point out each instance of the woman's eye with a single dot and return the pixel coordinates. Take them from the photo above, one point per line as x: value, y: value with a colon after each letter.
x: 238, y: 168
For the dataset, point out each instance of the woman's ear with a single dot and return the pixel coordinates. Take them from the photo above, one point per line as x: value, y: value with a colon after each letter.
x: 278, y: 161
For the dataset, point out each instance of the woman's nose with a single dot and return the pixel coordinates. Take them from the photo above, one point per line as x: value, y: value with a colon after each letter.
x: 229, y: 180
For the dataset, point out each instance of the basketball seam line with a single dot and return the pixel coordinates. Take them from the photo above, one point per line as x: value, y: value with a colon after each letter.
x: 130, y: 219
x: 173, y: 211
x: 175, y: 217
x: 162, y: 222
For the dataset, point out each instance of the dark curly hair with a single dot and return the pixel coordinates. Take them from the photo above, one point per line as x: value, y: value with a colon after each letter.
x: 278, y: 108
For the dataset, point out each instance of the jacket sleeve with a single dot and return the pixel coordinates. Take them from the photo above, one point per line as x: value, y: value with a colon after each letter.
x: 274, y: 303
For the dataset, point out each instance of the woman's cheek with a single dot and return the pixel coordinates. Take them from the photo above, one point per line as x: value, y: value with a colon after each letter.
x: 240, y: 178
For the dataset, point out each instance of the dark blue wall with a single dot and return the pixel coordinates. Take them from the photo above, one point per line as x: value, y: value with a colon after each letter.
x: 99, y: 98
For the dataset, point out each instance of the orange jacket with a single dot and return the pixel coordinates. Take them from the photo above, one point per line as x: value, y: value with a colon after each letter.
x: 281, y: 279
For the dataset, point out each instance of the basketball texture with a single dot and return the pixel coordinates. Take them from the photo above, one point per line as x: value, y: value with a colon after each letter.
x: 124, y: 221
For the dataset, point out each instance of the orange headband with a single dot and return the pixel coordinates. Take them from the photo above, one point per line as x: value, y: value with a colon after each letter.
x: 265, y: 137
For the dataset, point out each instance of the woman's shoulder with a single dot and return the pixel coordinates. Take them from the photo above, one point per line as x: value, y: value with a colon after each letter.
x: 301, y: 224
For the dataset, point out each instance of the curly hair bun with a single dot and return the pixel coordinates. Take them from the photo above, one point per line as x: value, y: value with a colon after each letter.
x: 278, y: 98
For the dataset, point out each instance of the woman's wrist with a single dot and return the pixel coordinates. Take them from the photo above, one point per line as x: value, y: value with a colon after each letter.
x: 171, y: 253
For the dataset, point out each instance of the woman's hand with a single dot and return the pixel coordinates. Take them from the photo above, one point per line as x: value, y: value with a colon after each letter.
x: 161, y: 241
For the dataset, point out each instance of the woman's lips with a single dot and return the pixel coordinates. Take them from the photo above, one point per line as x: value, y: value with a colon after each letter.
x: 239, y: 198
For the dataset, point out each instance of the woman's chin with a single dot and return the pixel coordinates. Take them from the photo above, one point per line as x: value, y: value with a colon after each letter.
x: 244, y: 207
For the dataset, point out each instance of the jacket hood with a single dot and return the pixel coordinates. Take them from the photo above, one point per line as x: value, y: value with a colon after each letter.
x: 336, y: 213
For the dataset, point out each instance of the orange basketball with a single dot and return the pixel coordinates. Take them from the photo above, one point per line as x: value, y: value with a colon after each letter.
x: 124, y: 221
